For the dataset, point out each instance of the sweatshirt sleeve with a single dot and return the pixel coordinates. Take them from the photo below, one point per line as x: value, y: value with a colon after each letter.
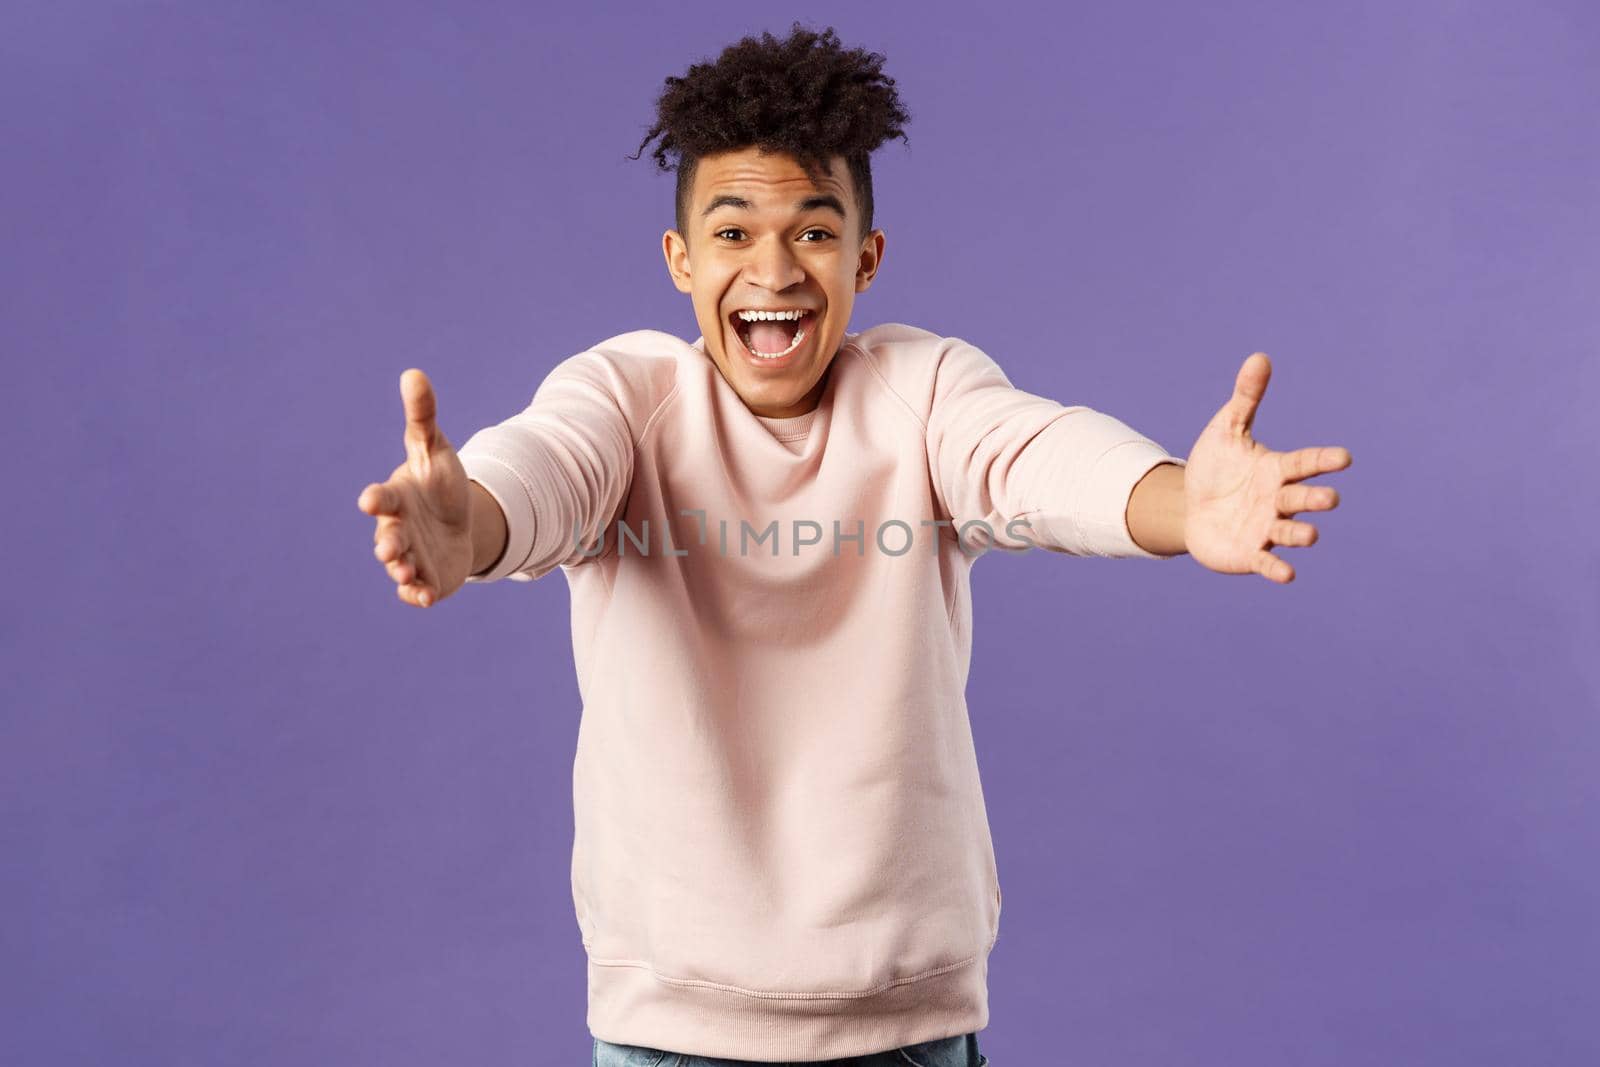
x: 562, y: 464
x: 1026, y: 471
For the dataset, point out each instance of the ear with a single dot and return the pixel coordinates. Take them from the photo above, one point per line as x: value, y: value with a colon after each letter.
x: 676, y: 251
x: 870, y: 260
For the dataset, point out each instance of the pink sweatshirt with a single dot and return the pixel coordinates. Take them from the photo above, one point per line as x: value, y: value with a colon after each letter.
x: 781, y: 848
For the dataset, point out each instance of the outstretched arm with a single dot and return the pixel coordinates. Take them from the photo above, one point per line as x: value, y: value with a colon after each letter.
x: 1236, y: 498
x: 1000, y: 456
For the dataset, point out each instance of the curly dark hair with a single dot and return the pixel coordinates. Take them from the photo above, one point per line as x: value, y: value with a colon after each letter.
x: 804, y: 96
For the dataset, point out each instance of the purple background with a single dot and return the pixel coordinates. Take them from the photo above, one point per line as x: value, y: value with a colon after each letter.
x: 256, y: 811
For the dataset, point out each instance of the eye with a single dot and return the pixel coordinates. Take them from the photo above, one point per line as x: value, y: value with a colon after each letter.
x: 729, y: 229
x: 825, y: 234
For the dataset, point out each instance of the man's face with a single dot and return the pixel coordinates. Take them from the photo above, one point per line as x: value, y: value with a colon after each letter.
x: 763, y: 237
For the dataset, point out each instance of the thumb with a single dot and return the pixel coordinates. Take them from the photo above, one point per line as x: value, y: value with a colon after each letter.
x: 1249, y: 386
x: 416, y: 394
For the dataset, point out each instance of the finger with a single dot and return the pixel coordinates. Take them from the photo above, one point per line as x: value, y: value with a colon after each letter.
x: 387, y: 551
x: 390, y: 542
x: 1293, y: 534
x: 1295, y: 498
x: 379, y: 499
x: 386, y: 525
x: 1272, y: 568
x: 1249, y: 386
x: 421, y: 575
x: 417, y: 596
x: 416, y: 393
x: 1310, y: 462
x: 402, y: 570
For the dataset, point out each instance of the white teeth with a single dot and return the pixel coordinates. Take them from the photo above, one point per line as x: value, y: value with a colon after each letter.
x: 793, y: 315
x: 760, y: 316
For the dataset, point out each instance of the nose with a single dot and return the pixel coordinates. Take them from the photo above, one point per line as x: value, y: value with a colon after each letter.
x: 773, y: 266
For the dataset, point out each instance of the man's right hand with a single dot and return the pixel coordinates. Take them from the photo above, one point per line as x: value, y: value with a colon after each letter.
x: 424, y: 513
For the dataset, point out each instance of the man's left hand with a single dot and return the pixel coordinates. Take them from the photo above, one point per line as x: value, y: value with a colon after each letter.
x: 1240, y: 496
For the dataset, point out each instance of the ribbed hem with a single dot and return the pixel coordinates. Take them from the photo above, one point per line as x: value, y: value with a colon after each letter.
x: 630, y: 1005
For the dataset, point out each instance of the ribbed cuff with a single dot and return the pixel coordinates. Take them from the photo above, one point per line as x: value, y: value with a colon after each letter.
x: 502, y: 483
x: 1104, y: 521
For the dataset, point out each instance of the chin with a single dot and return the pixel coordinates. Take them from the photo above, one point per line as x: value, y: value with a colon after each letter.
x: 770, y: 397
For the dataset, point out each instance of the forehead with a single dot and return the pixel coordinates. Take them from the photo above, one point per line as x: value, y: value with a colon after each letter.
x: 774, y: 181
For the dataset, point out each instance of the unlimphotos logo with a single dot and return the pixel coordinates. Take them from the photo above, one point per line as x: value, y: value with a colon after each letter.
x: 892, y: 537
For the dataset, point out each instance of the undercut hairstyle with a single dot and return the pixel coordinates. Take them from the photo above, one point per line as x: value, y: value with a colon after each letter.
x: 804, y: 96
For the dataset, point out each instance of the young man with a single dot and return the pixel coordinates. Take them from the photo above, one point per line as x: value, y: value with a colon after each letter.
x: 782, y: 851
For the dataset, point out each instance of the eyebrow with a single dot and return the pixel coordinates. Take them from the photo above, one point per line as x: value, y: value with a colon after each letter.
x: 827, y: 200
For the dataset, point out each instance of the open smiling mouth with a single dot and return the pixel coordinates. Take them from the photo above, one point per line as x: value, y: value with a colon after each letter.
x: 771, y: 336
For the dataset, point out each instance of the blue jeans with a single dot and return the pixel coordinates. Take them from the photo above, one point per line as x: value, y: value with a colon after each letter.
x: 960, y: 1051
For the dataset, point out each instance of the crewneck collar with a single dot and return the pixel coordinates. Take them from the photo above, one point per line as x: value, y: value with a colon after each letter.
x: 791, y: 426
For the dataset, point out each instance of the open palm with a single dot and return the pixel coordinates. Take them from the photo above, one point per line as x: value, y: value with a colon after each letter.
x: 1240, y: 496
x: 423, y: 534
